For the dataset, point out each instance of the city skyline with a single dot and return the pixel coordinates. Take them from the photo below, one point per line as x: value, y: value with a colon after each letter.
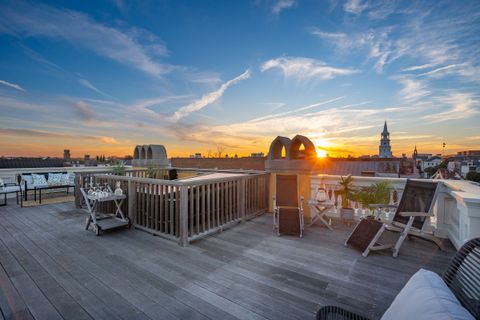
x: 100, y: 78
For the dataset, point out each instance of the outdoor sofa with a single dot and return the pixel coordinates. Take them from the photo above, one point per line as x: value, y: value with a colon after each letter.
x: 37, y: 182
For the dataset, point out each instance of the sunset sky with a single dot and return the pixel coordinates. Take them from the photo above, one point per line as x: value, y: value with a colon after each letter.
x: 99, y: 77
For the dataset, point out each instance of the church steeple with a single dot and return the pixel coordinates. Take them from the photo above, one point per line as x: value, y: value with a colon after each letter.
x: 385, y: 131
x: 415, y: 153
x: 385, y: 151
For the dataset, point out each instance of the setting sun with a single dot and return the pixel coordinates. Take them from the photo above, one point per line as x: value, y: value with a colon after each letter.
x: 320, y: 146
x: 321, y: 153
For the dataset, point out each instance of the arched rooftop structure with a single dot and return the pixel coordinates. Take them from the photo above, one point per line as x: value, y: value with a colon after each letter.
x: 150, y: 155
x: 309, y: 148
x: 275, y: 152
x: 136, y: 153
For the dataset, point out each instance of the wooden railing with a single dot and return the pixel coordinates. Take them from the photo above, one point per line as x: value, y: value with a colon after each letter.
x: 84, y: 179
x: 185, y: 211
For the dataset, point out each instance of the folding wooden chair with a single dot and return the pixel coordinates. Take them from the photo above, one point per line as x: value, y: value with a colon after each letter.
x: 412, y: 213
x: 287, y: 206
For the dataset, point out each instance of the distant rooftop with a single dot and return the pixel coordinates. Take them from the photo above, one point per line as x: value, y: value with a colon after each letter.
x: 10, y: 163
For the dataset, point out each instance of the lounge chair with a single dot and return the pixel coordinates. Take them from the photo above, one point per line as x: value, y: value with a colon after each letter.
x: 287, y: 206
x: 411, y: 215
x: 456, y: 295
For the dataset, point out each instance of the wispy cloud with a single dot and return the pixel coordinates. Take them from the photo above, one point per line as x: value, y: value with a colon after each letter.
x: 439, y: 71
x: 308, y: 107
x: 302, y: 68
x: 461, y: 106
x: 413, y: 89
x: 25, y: 20
x: 208, y: 98
x: 12, y: 85
x: 34, y: 55
x: 281, y: 5
x: 90, y: 86
x: 419, y: 67
x: 259, y: 131
x: 339, y: 39
x: 355, y: 6
x: 84, y: 111
x: 54, y: 135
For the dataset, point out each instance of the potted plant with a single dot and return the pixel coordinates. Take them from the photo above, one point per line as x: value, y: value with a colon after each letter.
x: 119, y: 169
x: 152, y: 172
x: 377, y: 193
x: 347, y: 191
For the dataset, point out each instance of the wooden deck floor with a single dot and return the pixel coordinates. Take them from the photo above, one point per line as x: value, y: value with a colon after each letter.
x: 51, y: 268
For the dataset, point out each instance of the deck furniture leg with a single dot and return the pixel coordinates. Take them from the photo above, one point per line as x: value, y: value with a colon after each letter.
x: 374, y: 240
x: 402, y: 237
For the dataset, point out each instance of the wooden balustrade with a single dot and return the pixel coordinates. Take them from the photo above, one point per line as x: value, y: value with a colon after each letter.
x: 83, y: 179
x: 185, y: 211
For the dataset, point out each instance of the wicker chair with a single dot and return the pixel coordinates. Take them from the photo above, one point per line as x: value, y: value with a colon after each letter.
x: 462, y: 277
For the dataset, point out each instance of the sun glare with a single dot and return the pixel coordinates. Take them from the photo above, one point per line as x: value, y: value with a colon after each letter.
x: 320, y: 145
x: 321, y: 153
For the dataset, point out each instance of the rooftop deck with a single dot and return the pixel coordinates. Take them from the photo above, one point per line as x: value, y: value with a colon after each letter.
x: 51, y: 268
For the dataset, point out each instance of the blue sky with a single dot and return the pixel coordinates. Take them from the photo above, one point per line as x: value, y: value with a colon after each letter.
x: 101, y: 77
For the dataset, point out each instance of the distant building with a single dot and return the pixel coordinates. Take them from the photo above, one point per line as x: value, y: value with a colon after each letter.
x: 196, y: 155
x: 469, y: 153
x: 431, y: 162
x: 469, y: 165
x: 89, y: 162
x: 257, y: 155
x: 6, y: 163
x: 66, y: 155
x: 385, y: 150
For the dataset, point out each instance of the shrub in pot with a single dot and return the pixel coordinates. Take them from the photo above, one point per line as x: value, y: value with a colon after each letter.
x: 377, y: 193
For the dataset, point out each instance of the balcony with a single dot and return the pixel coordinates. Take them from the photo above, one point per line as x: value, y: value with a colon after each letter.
x: 52, y: 268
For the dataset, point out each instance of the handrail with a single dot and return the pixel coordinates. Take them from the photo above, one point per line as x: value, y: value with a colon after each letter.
x: 186, y: 211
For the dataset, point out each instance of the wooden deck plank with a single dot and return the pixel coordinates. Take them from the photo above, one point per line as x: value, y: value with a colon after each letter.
x: 38, y: 305
x: 80, y: 285
x: 121, y: 269
x: 12, y: 305
x: 58, y: 297
x: 115, y: 284
x: 243, y: 273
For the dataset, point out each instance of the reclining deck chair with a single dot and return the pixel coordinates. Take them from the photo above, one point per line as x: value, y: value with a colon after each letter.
x: 287, y: 206
x: 411, y: 215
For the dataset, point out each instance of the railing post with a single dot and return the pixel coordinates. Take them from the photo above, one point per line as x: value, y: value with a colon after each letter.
x: 76, y: 190
x: 183, y: 240
x: 132, y: 192
x: 241, y: 199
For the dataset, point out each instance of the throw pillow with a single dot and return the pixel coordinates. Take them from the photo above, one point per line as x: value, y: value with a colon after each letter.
x: 65, y: 179
x: 54, y: 179
x: 39, y: 179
